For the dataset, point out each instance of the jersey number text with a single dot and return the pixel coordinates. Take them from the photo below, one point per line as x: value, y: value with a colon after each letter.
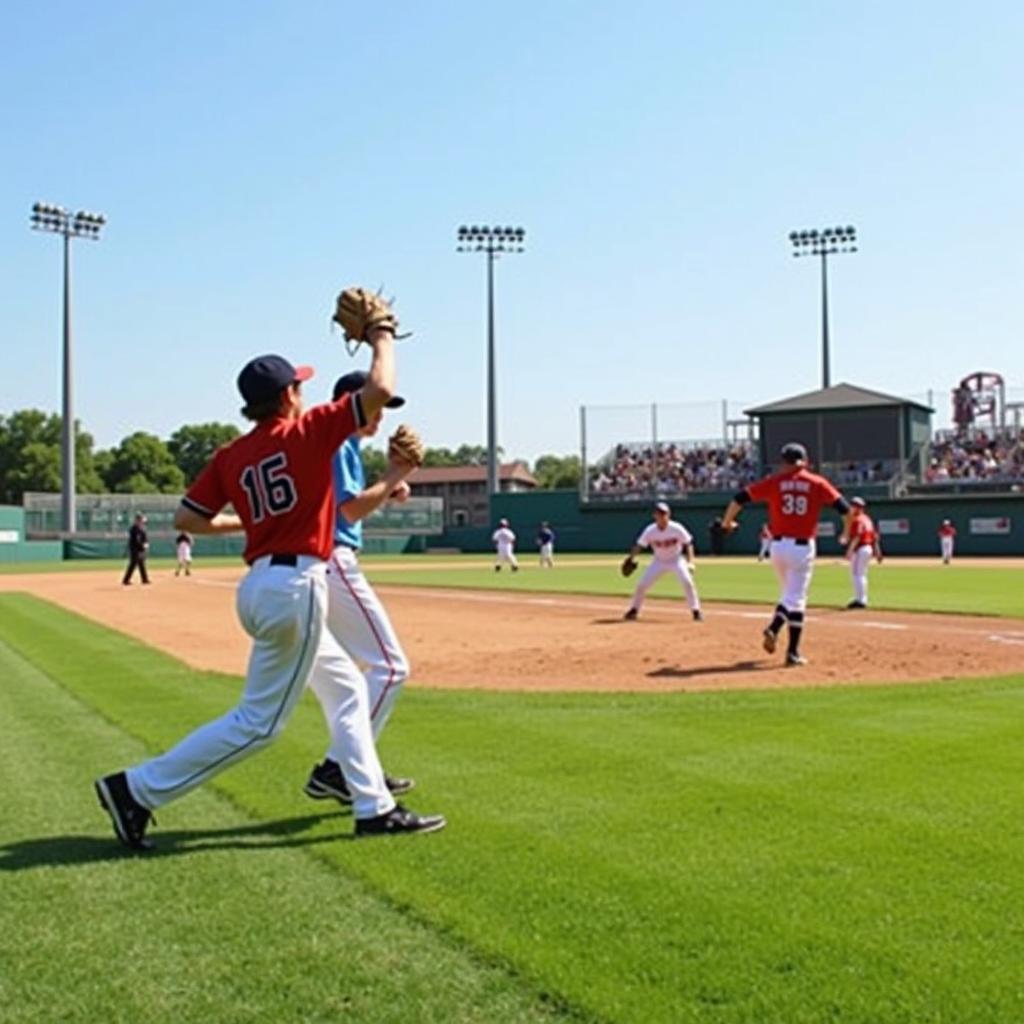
x: 794, y: 504
x: 268, y: 487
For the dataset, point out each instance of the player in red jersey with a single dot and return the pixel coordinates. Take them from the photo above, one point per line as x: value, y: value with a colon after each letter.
x: 862, y: 542
x: 278, y: 479
x: 947, y: 538
x: 795, y: 498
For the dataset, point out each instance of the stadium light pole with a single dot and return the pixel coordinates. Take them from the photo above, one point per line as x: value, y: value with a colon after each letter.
x: 47, y: 217
x: 824, y: 243
x: 492, y: 242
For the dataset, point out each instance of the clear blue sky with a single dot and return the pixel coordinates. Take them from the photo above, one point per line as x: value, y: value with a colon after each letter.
x: 252, y: 158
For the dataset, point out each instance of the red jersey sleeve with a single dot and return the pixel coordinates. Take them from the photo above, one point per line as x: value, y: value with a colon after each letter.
x: 329, y: 424
x: 761, y: 490
x: 829, y: 495
x: 206, y: 496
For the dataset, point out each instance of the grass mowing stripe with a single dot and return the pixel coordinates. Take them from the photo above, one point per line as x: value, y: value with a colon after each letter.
x: 807, y: 856
x: 966, y: 590
x: 232, y: 921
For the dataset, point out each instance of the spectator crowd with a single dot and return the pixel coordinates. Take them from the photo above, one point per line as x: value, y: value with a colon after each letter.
x: 976, y: 456
x: 674, y: 469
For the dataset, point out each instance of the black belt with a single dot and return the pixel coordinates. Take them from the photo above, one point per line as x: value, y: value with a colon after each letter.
x: 800, y: 541
x: 292, y: 560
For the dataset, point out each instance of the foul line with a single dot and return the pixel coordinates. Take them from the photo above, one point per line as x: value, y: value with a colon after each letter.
x: 1009, y: 636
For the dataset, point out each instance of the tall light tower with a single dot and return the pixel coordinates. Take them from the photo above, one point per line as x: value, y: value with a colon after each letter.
x: 493, y: 242
x: 824, y: 243
x: 46, y: 217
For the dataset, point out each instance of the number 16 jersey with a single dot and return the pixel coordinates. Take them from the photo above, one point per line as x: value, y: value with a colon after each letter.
x: 278, y: 478
x: 795, y: 499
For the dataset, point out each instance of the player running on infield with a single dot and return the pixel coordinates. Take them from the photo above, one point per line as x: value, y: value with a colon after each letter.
x: 355, y: 615
x: 795, y: 498
x: 862, y: 542
x: 668, y: 540
x: 278, y: 479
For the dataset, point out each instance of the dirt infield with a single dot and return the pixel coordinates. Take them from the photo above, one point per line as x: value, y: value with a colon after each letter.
x: 485, y: 639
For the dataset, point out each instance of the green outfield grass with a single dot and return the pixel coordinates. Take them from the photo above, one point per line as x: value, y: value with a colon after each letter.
x: 846, y: 855
x: 972, y: 590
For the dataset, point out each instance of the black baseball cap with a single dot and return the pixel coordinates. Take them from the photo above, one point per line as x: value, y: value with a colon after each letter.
x: 265, y: 377
x: 356, y: 381
x: 794, y: 452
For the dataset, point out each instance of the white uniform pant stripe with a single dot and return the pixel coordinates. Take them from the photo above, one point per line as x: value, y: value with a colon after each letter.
x: 658, y: 568
x: 283, y: 609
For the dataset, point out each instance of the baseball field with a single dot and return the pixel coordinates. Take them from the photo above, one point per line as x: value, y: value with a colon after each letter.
x: 648, y: 821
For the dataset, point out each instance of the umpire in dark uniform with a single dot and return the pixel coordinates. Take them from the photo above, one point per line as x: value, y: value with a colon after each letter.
x: 138, y: 546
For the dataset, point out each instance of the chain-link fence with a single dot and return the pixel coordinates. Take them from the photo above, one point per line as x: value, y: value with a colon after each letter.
x: 109, y: 516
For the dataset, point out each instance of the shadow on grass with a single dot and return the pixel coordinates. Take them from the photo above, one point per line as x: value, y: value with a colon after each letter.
x: 674, y: 672
x: 69, y: 850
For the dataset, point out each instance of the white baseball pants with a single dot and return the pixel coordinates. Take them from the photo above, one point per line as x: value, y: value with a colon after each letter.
x: 506, y: 556
x: 947, y: 548
x: 547, y: 555
x: 794, y: 565
x: 283, y: 609
x: 357, y: 620
x: 859, y: 562
x: 679, y: 569
x: 766, y: 549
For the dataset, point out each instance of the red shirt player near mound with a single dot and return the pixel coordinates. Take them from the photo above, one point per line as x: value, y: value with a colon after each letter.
x: 795, y: 498
x: 278, y: 479
x: 862, y: 542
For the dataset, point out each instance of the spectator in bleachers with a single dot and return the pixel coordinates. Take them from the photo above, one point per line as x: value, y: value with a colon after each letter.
x: 976, y: 456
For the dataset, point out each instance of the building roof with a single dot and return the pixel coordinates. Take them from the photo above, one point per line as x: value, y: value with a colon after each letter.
x: 839, y: 396
x: 471, y: 474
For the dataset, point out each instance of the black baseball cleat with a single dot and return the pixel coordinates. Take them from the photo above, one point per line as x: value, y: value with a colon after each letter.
x: 497, y: 568
x: 398, y: 821
x: 793, y: 659
x: 769, y: 641
x: 129, y: 817
x: 327, y: 781
x: 697, y: 616
x: 630, y: 616
x: 856, y: 604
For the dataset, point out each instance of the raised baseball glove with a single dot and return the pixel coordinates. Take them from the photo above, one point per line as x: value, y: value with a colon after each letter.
x: 629, y: 566
x: 359, y: 311
x: 405, y: 445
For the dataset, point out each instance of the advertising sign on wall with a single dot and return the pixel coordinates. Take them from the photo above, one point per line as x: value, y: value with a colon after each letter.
x: 894, y: 526
x: 988, y: 527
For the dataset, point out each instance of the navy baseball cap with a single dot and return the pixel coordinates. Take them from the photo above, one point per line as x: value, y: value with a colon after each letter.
x: 794, y: 452
x: 265, y: 377
x: 355, y: 381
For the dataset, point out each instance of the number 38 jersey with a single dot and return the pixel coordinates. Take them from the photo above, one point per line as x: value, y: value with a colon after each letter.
x: 795, y: 499
x: 278, y: 478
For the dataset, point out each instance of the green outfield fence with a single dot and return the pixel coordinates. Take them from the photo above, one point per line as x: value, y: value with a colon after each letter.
x: 102, y: 522
x: 988, y: 525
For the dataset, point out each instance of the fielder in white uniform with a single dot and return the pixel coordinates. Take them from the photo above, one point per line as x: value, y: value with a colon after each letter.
x: 668, y: 540
x: 183, y: 544
x: 356, y: 618
x: 505, y: 541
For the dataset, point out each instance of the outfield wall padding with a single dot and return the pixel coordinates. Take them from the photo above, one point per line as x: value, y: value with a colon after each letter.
x: 613, y: 526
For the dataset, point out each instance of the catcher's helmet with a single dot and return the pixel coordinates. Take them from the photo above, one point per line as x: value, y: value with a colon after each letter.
x: 794, y: 452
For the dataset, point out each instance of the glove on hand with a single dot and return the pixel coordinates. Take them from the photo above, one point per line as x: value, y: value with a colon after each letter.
x: 629, y: 566
x: 359, y: 311
x: 405, y: 445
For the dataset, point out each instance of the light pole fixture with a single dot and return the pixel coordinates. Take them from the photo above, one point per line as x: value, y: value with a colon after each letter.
x: 493, y: 242
x: 46, y: 217
x: 824, y: 243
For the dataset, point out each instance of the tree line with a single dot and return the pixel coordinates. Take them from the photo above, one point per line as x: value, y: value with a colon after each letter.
x: 142, y: 463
